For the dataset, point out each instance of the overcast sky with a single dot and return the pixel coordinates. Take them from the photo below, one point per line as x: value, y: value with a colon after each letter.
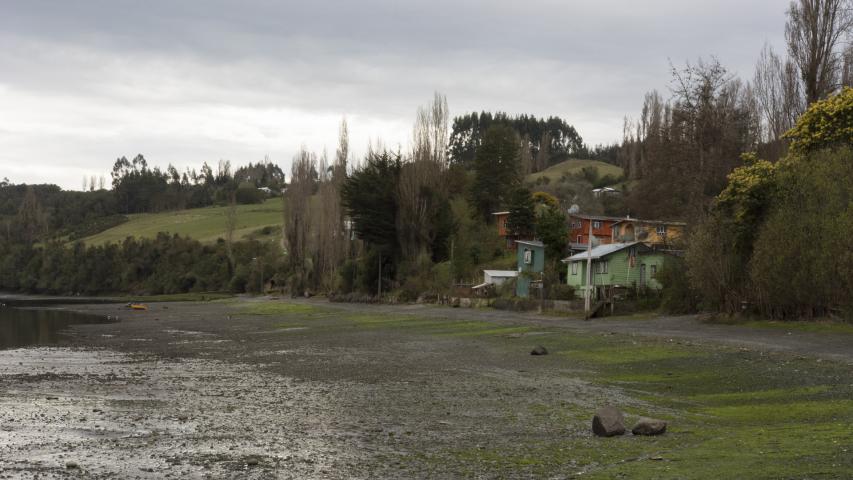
x: 84, y: 82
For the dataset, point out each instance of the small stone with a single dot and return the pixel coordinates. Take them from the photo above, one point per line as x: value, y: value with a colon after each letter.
x: 539, y: 350
x: 608, y: 422
x: 51, y: 398
x: 252, y: 461
x: 71, y: 465
x: 183, y: 418
x: 649, y: 426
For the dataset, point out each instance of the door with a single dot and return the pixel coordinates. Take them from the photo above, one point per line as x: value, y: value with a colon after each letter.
x: 642, y: 275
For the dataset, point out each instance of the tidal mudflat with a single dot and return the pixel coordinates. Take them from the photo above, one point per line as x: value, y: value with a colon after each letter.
x: 269, y: 389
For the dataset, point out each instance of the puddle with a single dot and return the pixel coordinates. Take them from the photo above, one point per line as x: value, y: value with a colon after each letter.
x: 22, y: 327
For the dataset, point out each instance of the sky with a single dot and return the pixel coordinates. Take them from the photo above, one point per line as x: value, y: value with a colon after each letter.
x: 187, y: 81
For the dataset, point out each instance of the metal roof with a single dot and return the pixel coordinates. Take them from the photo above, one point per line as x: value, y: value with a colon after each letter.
x: 534, y: 243
x: 501, y: 273
x: 600, y: 251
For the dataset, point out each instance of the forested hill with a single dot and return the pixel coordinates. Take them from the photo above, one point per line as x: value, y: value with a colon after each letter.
x: 547, y: 141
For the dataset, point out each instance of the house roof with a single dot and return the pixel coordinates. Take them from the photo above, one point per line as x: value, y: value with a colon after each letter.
x: 653, y: 222
x: 500, y: 213
x: 595, y: 217
x: 501, y: 273
x: 533, y: 243
x: 599, y: 251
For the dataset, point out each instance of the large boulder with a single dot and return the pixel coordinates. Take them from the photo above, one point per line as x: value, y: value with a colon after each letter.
x: 649, y: 426
x: 608, y: 422
x: 539, y: 350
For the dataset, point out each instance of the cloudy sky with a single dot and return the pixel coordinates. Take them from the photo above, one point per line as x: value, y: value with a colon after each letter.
x: 186, y: 81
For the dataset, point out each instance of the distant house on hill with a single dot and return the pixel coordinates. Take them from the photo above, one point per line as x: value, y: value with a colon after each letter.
x: 615, y: 265
x: 605, y: 192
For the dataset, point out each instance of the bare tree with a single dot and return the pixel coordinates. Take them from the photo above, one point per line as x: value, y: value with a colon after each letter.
x: 31, y: 220
x: 230, y: 227
x: 421, y: 188
x: 101, y: 182
x: 813, y: 32
x: 847, y: 73
x: 777, y: 89
x: 297, y: 217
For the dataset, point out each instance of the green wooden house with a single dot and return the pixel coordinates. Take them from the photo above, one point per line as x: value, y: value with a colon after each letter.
x: 531, y: 264
x: 615, y: 265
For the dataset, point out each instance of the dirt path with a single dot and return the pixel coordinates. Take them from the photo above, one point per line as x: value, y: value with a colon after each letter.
x: 834, y: 346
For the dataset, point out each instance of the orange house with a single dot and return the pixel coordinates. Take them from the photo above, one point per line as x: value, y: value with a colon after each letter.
x: 509, y: 239
x: 602, y: 229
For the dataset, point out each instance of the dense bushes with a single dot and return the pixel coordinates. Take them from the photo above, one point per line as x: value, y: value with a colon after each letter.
x: 162, y: 265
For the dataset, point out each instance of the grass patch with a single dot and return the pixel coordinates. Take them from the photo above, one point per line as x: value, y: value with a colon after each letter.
x: 203, y: 224
x: 279, y: 308
x: 800, y: 326
x: 574, y: 166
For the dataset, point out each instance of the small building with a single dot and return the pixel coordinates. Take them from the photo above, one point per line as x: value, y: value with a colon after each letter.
x: 615, y: 265
x: 531, y: 264
x: 656, y: 232
x: 605, y: 192
x: 498, y: 277
x: 509, y: 239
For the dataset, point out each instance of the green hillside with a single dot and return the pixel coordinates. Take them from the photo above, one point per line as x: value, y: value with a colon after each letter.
x: 203, y: 224
x: 575, y: 166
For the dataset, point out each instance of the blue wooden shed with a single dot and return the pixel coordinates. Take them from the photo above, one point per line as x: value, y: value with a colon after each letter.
x: 531, y: 264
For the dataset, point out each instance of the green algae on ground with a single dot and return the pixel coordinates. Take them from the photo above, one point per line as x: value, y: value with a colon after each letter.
x: 279, y: 308
x: 733, y: 414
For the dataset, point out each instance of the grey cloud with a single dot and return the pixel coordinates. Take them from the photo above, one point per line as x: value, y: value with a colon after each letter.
x: 130, y: 66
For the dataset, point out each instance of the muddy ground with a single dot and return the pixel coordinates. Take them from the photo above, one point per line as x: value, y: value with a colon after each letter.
x: 311, y: 390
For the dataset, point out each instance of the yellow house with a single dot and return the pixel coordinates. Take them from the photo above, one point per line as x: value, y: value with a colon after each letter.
x: 656, y: 232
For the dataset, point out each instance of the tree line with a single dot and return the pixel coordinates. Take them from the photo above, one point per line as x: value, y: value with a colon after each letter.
x: 761, y: 170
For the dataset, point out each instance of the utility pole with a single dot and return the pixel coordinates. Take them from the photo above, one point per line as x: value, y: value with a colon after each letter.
x: 541, y: 291
x: 587, y: 296
x: 380, y: 274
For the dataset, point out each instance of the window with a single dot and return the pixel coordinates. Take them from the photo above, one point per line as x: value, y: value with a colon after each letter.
x: 580, y: 238
x: 661, y: 230
x: 654, y: 270
x: 574, y: 268
x: 601, y: 267
x: 596, y: 224
x: 528, y: 257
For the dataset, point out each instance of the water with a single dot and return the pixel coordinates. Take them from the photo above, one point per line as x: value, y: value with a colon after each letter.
x: 22, y: 327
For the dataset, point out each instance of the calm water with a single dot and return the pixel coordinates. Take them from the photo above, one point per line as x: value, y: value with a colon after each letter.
x: 23, y: 327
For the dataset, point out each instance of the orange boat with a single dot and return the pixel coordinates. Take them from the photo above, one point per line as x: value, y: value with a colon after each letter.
x: 138, y: 306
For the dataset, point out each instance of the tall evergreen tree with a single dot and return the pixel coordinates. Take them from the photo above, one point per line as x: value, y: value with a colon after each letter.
x: 496, y: 170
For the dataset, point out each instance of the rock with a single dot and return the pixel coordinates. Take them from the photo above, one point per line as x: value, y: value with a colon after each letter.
x: 51, y: 398
x: 608, y: 422
x: 649, y: 426
x: 539, y: 350
x: 183, y: 418
x: 71, y: 465
x: 252, y: 461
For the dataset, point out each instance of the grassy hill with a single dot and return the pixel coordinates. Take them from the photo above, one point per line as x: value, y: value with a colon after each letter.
x: 573, y: 166
x: 203, y: 224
